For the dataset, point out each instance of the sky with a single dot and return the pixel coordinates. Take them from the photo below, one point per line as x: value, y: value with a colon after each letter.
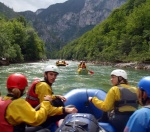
x: 32, y: 5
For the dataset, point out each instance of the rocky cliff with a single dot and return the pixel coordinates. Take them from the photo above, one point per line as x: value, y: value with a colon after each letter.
x: 63, y: 22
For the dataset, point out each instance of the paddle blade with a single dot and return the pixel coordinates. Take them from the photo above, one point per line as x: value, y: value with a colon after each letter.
x: 91, y: 72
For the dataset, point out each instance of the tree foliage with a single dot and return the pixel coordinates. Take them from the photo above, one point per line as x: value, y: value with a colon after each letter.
x: 19, y: 42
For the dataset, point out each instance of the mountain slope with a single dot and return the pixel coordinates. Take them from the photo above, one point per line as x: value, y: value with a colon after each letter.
x: 123, y: 37
x: 6, y: 11
x: 61, y: 23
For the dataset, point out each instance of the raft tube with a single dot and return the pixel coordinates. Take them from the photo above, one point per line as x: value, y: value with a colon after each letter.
x: 79, y: 98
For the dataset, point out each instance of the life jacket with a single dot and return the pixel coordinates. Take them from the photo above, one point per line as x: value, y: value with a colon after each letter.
x: 127, y: 98
x: 83, y: 65
x: 4, y: 125
x: 32, y: 97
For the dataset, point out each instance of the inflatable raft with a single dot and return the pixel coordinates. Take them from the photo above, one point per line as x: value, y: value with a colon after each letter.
x: 61, y: 63
x: 79, y: 98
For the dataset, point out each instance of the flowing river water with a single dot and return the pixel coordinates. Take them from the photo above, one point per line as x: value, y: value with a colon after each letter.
x: 68, y: 78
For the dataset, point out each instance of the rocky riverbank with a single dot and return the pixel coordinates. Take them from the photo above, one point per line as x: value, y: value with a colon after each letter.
x: 141, y: 66
x: 4, y: 62
x: 133, y: 65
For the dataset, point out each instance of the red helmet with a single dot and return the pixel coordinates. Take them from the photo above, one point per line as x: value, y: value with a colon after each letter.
x: 17, y: 80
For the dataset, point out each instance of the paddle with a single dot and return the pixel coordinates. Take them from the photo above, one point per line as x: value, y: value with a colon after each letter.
x: 91, y: 72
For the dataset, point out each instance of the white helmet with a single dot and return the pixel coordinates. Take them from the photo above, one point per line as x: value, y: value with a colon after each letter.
x: 52, y: 68
x: 119, y: 72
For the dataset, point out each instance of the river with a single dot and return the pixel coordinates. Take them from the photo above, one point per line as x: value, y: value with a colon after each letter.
x: 68, y: 78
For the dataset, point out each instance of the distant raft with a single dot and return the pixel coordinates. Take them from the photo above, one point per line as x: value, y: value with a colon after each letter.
x: 61, y: 63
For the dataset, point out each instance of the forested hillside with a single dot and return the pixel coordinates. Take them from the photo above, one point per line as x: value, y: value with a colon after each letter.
x: 18, y: 41
x: 124, y: 36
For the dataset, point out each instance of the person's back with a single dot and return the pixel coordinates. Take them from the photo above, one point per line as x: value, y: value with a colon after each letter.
x: 24, y: 114
x: 121, y: 100
x: 124, y: 107
x: 140, y: 119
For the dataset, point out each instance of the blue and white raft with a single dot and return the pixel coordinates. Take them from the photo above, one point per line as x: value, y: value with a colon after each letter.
x: 79, y: 98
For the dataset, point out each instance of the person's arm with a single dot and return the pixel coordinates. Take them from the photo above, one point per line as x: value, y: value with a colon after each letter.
x: 61, y: 97
x: 108, y: 104
x: 43, y: 89
x: 70, y: 110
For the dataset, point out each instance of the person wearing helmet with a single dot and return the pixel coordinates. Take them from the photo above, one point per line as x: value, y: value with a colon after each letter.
x: 140, y: 121
x: 15, y: 111
x: 79, y: 65
x: 120, y: 102
x: 83, y: 65
x: 39, y: 89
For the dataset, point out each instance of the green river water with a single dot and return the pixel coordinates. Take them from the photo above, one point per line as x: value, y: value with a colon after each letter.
x: 68, y: 78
